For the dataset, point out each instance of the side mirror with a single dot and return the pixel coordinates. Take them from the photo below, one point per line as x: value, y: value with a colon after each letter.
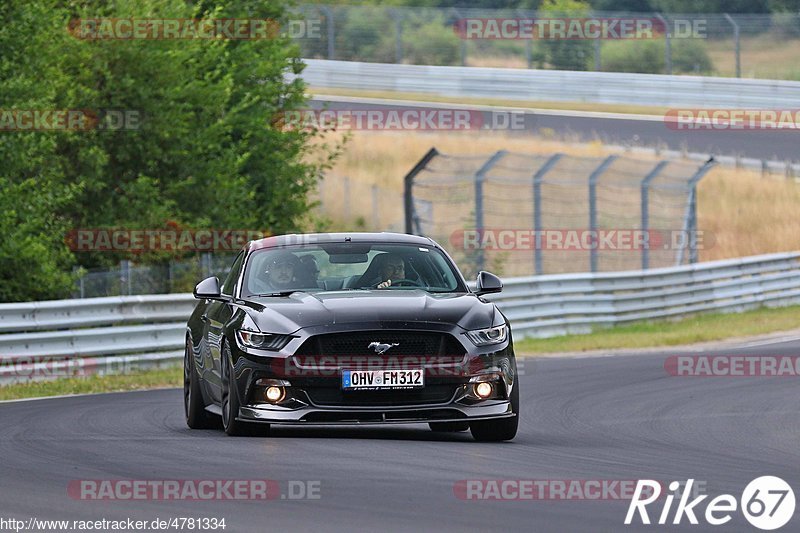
x: 207, y: 289
x: 488, y: 283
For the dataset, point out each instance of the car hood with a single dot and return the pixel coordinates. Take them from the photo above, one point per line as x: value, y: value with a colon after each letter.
x: 371, y: 308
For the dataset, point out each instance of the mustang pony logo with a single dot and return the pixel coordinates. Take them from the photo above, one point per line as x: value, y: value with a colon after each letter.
x: 381, y: 347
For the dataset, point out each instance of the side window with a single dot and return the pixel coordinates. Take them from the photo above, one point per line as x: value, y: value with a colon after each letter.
x: 233, y: 275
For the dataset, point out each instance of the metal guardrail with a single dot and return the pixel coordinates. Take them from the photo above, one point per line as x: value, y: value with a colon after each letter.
x: 549, y: 85
x: 105, y: 335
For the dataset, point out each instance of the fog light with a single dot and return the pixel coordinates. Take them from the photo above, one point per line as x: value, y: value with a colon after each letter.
x: 274, y: 394
x: 483, y: 390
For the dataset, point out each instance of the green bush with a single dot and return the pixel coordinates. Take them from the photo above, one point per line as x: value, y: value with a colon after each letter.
x: 363, y: 35
x: 648, y: 56
x: 431, y: 43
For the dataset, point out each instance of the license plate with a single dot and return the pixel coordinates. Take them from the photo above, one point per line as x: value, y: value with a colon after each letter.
x: 383, y: 379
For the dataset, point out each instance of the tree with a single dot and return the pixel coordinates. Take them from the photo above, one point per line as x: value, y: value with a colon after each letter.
x: 208, y: 151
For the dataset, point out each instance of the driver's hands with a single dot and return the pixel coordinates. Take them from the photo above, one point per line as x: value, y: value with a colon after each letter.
x: 384, y: 284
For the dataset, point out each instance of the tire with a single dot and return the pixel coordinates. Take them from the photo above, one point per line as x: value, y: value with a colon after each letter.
x: 499, y: 429
x: 230, y: 401
x: 448, y: 427
x: 193, y: 406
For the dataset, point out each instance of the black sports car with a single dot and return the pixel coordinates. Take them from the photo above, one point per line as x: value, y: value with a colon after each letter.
x: 349, y: 329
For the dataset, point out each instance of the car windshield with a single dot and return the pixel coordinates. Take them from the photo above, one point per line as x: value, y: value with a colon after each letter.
x: 349, y: 266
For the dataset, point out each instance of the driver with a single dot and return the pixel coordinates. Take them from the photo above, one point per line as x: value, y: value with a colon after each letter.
x: 281, y: 271
x: 393, y: 268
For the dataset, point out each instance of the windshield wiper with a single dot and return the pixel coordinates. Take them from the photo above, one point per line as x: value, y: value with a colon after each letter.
x: 281, y: 293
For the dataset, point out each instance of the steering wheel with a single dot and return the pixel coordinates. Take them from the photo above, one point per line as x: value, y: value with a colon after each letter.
x: 402, y: 283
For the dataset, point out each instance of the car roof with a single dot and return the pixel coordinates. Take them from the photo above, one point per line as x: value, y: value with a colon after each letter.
x: 313, y: 238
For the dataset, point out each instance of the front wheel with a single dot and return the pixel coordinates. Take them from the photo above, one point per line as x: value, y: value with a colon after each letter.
x: 230, y: 401
x: 499, y: 429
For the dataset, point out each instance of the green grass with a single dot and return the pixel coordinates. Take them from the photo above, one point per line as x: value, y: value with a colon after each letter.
x: 699, y: 328
x: 150, y: 379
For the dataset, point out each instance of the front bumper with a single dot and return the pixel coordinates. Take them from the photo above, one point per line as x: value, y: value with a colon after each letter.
x: 313, y: 415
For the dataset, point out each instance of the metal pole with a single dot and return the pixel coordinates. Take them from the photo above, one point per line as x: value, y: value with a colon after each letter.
x: 408, y: 188
x: 598, y: 66
x: 331, y: 31
x: 398, y: 32
x: 480, y: 177
x: 668, y: 43
x: 645, y: 208
x: 463, y: 42
x: 593, y: 208
x: 738, y: 48
x: 690, y: 218
x: 538, y: 178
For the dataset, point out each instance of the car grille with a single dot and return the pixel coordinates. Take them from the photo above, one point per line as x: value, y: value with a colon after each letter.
x: 414, y: 343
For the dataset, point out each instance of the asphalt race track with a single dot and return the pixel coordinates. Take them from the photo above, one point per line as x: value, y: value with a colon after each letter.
x: 778, y: 145
x: 599, y: 418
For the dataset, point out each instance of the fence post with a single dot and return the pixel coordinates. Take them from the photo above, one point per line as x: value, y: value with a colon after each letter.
x: 408, y: 188
x: 480, y: 177
x: 331, y: 31
x: 398, y: 31
x: 645, y: 209
x: 690, y: 217
x: 667, y: 42
x: 737, y: 44
x: 463, y: 42
x: 538, y: 177
x: 125, y: 276
x: 595, y: 175
x: 598, y: 65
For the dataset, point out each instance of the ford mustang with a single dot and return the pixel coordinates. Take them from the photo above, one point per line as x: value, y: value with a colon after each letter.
x: 361, y: 328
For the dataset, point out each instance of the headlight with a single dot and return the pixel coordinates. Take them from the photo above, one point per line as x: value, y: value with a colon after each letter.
x: 262, y: 341
x: 485, y: 337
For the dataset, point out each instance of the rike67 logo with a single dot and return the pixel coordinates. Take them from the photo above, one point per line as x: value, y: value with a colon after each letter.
x: 767, y: 502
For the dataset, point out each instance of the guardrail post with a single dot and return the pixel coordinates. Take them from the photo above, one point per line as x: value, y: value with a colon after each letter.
x: 480, y: 177
x: 690, y: 218
x: 408, y: 189
x: 737, y: 44
x: 538, y: 178
x: 593, y: 209
x: 667, y: 43
x: 645, y: 208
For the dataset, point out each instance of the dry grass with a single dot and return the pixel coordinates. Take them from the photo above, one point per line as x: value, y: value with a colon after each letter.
x: 763, y: 56
x: 745, y: 213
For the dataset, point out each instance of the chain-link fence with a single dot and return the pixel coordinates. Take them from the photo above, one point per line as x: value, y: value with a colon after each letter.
x: 748, y: 45
x: 129, y: 278
x: 521, y: 214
